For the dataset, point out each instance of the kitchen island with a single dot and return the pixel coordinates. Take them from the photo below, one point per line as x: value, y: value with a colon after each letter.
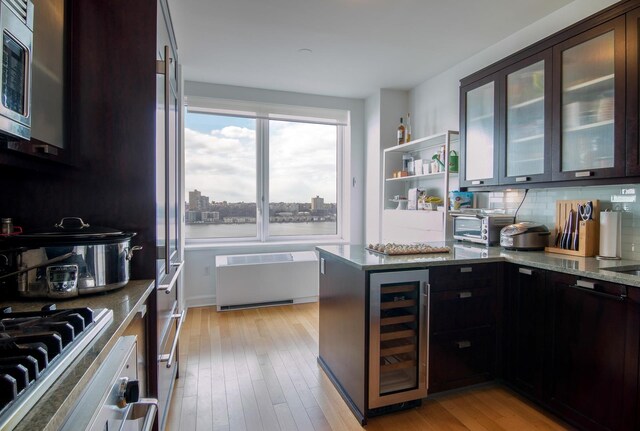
x: 387, y: 338
x: 50, y: 411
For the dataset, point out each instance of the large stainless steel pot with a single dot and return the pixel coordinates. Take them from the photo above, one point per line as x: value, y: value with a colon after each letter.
x: 73, y: 259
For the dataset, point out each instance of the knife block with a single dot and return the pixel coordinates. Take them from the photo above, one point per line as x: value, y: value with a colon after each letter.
x: 588, y: 231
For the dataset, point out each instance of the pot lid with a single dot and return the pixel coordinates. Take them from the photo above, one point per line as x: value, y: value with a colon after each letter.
x: 75, y: 228
x: 523, y: 227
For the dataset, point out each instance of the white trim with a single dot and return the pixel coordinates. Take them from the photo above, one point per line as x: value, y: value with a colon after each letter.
x: 272, y: 111
x: 343, y: 179
x: 200, y: 301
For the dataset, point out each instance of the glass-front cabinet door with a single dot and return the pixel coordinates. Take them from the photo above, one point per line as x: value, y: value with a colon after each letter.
x: 479, y: 133
x: 527, y: 121
x: 633, y: 93
x: 590, y: 74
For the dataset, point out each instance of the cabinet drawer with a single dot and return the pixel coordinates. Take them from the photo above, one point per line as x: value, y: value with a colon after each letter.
x: 462, y: 276
x: 462, y: 309
x: 461, y: 358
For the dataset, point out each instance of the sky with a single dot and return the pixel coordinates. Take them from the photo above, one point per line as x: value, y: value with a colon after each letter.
x: 220, y: 159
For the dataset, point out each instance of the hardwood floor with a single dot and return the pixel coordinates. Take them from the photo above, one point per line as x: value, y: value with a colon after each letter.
x: 256, y: 370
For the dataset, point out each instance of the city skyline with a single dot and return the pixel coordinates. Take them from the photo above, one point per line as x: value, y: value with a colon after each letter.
x: 200, y: 209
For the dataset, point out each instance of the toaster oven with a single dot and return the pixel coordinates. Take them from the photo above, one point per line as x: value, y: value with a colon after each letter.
x: 480, y: 228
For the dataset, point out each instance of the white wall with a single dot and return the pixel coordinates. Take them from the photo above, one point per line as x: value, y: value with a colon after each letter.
x: 435, y: 103
x: 382, y: 113
x: 373, y: 167
x: 200, y: 260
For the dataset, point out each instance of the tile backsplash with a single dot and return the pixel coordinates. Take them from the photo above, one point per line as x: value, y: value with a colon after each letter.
x: 540, y: 206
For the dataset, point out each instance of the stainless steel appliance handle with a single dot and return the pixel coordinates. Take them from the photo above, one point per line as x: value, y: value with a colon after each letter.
x: 168, y: 287
x: 581, y: 287
x: 168, y: 358
x: 167, y: 163
x: 149, y: 418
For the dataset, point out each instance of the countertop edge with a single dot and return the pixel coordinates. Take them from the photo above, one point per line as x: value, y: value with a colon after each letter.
x: 51, y: 411
x: 579, y: 266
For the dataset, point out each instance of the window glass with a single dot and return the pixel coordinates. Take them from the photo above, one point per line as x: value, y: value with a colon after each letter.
x: 220, y: 176
x: 302, y: 179
x: 251, y: 177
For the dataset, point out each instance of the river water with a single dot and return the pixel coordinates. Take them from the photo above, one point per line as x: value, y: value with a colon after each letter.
x: 249, y: 230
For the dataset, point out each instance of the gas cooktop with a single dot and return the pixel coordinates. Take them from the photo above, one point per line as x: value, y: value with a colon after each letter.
x: 35, y: 349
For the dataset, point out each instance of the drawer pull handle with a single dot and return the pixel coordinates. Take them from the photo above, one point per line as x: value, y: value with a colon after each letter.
x: 583, y: 174
x: 522, y: 179
x: 525, y: 271
x: 168, y: 358
x: 589, y: 287
x: 477, y: 182
x: 466, y: 269
x: 168, y: 287
x: 464, y: 344
x: 464, y: 295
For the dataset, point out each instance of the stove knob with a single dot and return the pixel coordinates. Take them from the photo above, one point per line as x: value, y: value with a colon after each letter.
x: 128, y: 392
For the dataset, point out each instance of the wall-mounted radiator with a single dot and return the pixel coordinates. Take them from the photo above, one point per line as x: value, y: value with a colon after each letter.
x: 254, y: 280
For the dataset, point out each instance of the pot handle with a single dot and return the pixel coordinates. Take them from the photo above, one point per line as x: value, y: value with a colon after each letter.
x: 78, y: 219
x: 129, y: 251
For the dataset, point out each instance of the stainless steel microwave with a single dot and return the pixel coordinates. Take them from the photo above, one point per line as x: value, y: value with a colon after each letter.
x: 16, y: 24
x: 480, y: 228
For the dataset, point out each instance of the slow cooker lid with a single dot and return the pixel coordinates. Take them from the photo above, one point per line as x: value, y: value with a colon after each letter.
x: 74, y: 228
x: 523, y: 227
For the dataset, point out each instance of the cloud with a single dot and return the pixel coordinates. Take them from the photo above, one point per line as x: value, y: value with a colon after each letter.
x: 222, y: 163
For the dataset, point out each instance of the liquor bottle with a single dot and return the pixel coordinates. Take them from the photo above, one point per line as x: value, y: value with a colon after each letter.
x: 401, y: 133
x: 408, y: 132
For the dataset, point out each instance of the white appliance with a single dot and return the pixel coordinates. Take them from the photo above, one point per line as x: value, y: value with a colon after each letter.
x: 250, y: 280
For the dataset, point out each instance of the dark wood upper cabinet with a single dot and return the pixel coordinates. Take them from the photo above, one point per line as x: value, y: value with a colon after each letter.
x: 589, y: 104
x: 633, y: 93
x: 564, y: 109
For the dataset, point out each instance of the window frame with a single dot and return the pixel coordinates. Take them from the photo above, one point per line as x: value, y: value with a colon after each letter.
x: 263, y: 115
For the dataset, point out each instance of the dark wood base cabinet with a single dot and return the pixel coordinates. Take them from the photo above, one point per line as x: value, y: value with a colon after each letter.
x: 462, y: 333
x: 571, y: 344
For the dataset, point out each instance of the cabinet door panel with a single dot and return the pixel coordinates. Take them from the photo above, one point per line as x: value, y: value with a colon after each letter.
x: 590, y: 106
x: 633, y: 93
x: 524, y: 329
x: 462, y: 309
x: 461, y: 358
x: 525, y: 153
x: 585, y: 379
x: 479, y: 133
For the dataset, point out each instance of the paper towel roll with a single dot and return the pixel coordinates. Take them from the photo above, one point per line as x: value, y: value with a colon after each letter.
x: 610, y: 227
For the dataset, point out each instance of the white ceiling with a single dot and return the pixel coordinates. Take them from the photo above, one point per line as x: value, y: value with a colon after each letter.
x: 359, y: 46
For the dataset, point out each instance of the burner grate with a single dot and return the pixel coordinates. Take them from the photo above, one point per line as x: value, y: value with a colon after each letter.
x: 35, y: 349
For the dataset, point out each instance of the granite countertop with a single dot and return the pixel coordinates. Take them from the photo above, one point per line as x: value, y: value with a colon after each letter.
x: 467, y: 253
x: 51, y: 410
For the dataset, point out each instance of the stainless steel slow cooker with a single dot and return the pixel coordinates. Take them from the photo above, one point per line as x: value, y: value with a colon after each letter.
x: 72, y: 259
